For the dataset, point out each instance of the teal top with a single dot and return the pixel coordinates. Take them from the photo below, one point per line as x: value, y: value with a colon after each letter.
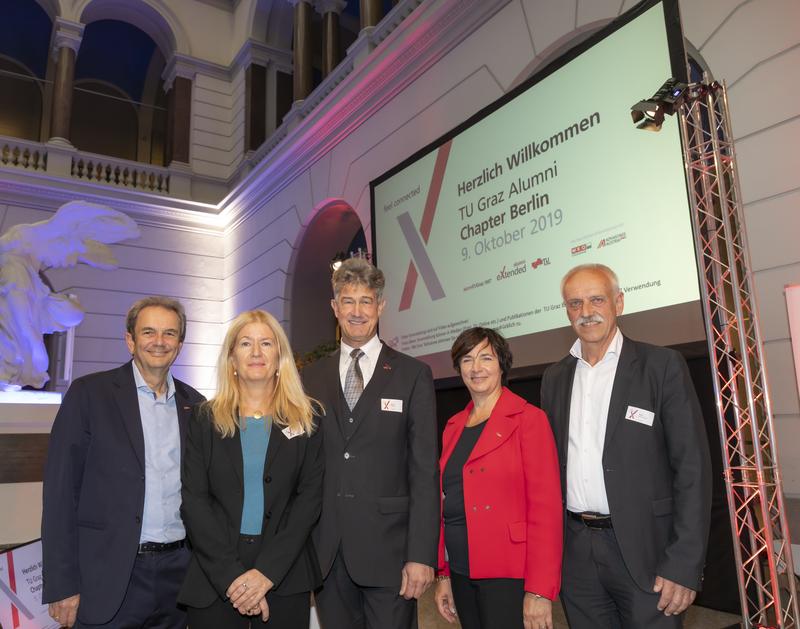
x: 255, y: 439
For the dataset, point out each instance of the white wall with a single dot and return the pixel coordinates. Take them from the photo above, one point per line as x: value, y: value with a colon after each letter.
x: 217, y: 136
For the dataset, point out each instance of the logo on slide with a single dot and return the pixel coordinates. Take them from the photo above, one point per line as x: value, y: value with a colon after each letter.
x: 540, y: 262
x: 611, y: 240
x: 579, y: 249
x: 517, y: 269
x: 417, y: 239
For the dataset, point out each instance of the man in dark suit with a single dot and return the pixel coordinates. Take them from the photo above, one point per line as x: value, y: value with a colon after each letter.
x: 635, y: 467
x: 112, y: 535
x: 378, y: 533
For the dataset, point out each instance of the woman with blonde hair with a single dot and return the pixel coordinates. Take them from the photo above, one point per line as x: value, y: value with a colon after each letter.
x: 252, y: 487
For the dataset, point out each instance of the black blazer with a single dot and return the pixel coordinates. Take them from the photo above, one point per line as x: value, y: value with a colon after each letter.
x: 213, y: 497
x: 381, y: 491
x: 657, y: 478
x: 94, y: 490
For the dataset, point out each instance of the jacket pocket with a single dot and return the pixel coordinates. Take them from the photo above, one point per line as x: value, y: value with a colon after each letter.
x: 393, y: 504
x: 88, y: 524
x: 518, y: 531
x: 662, y: 507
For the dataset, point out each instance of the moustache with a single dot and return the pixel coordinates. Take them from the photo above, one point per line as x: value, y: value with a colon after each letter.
x: 595, y: 318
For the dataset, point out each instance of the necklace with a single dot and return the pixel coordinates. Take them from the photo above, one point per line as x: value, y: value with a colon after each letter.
x: 258, y: 415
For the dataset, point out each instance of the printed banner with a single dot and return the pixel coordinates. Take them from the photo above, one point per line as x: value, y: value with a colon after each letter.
x: 21, y: 589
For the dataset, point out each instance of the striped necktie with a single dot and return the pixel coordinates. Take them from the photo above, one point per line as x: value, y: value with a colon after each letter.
x: 353, y: 380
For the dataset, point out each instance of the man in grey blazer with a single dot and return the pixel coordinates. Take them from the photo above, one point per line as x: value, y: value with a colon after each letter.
x: 378, y: 533
x: 112, y: 535
x: 635, y: 467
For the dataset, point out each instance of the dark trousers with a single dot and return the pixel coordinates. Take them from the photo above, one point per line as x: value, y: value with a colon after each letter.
x: 151, y: 598
x: 285, y: 612
x: 343, y: 604
x: 597, y: 590
x: 488, y: 603
x: 292, y: 611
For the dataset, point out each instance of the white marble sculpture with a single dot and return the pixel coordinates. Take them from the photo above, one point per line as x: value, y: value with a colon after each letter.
x: 77, y: 233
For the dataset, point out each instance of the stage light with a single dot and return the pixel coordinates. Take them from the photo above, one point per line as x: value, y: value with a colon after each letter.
x: 648, y: 115
x: 337, y: 260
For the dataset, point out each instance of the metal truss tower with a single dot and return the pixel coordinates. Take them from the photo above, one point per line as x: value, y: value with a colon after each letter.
x: 762, y: 548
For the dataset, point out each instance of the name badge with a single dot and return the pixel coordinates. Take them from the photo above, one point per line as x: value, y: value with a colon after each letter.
x: 393, y: 406
x: 640, y: 415
x: 291, y: 434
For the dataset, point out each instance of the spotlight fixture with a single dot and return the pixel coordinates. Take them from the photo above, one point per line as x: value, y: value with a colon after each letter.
x: 337, y: 260
x: 649, y: 114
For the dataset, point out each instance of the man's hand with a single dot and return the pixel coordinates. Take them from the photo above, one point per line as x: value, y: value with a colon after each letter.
x: 445, y: 602
x: 416, y: 579
x: 537, y: 612
x: 65, y: 611
x: 247, y: 590
x: 675, y: 598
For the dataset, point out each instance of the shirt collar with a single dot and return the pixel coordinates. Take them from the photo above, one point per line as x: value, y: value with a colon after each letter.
x: 141, y: 385
x: 371, y: 348
x: 613, y: 349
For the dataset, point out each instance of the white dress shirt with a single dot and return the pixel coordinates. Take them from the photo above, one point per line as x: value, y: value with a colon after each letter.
x: 588, y: 416
x: 371, y: 349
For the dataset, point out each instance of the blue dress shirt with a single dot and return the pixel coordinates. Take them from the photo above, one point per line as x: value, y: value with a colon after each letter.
x: 161, y: 521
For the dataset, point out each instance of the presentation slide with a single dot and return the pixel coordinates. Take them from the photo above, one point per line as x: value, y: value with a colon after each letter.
x: 481, y: 228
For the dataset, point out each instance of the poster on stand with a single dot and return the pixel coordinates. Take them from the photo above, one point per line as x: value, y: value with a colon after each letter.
x: 21, y: 589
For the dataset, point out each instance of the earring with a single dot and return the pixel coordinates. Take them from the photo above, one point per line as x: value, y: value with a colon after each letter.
x: 235, y: 374
x: 277, y: 373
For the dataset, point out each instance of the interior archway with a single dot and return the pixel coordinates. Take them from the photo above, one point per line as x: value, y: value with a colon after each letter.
x: 335, y: 228
x: 159, y: 24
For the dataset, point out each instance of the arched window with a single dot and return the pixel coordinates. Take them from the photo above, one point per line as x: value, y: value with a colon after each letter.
x: 24, y: 41
x: 20, y: 101
x: 119, y: 108
x: 104, y: 120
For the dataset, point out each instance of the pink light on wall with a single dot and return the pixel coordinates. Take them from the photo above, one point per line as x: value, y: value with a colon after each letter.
x: 792, y: 293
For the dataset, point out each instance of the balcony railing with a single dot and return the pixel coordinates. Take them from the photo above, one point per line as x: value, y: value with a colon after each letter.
x: 62, y: 160
x: 117, y: 172
x: 22, y: 154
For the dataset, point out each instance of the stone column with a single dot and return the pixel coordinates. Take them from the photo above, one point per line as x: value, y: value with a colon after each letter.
x: 67, y: 38
x: 330, y: 11
x: 303, y: 82
x: 371, y: 12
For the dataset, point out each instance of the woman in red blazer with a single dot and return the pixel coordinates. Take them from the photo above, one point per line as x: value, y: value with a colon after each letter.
x: 501, y: 530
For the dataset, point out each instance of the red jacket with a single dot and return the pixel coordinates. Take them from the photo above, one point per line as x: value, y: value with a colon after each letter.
x: 512, y: 496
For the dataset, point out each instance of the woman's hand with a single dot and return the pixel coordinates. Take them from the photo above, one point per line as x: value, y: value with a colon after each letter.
x: 444, y: 600
x: 261, y: 609
x: 537, y: 612
x: 247, y: 590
